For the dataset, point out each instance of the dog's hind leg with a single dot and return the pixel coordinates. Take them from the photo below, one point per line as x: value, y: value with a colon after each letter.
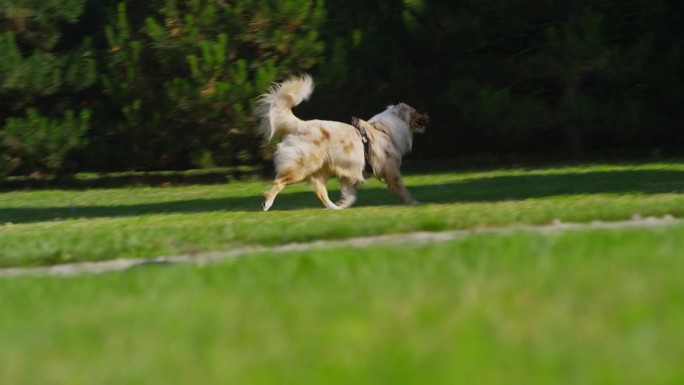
x: 318, y: 182
x: 348, y: 189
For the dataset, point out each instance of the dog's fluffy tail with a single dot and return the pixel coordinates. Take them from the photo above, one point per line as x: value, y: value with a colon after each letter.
x: 275, y: 106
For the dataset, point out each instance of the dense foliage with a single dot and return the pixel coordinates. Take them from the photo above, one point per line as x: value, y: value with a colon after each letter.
x: 169, y: 84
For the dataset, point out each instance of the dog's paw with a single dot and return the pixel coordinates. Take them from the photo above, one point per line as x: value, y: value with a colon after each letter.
x: 343, y: 204
x: 266, y: 205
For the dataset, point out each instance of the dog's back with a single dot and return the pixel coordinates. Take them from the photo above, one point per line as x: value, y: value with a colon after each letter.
x: 325, y: 146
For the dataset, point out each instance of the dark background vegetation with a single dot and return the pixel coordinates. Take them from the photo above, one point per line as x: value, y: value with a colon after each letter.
x: 111, y: 85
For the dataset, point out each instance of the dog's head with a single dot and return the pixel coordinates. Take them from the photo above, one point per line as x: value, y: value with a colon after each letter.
x: 416, y: 121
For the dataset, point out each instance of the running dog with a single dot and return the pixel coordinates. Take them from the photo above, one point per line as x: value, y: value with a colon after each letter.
x: 319, y: 149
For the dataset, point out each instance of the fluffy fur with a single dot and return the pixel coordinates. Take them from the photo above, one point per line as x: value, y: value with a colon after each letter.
x: 319, y: 149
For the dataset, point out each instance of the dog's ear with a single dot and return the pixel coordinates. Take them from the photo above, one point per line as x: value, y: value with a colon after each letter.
x: 403, y: 111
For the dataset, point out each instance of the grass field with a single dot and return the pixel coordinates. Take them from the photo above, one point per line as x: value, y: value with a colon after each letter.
x: 54, y: 226
x: 588, y: 307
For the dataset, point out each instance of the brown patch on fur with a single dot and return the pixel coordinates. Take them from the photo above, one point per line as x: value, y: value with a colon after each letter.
x: 348, y: 148
x: 313, y: 159
x: 325, y: 133
x: 317, y: 143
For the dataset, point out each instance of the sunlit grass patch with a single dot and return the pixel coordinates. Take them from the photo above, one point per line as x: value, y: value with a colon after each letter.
x: 55, y: 226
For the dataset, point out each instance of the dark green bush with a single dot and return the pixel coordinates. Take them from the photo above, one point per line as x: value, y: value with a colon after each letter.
x: 38, y: 143
x: 169, y: 84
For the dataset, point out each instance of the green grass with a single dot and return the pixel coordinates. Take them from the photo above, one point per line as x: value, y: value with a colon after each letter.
x: 55, y: 226
x: 588, y: 307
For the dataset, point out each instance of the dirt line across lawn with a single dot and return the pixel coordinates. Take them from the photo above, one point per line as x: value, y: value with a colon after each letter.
x: 120, y: 264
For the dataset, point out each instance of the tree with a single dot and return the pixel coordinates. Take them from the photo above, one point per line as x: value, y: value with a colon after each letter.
x: 543, y: 76
x: 42, y: 72
x: 187, y: 74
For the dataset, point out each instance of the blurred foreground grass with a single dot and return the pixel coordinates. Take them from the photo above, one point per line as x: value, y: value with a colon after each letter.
x: 588, y: 307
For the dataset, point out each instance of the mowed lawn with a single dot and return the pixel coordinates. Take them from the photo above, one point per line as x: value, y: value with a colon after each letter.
x: 585, y: 307
x: 43, y: 227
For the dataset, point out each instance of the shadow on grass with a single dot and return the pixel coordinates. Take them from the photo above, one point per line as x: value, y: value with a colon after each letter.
x: 139, y: 179
x: 488, y: 189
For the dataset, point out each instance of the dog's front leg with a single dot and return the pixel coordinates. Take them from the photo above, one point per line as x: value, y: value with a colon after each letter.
x: 396, y: 184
